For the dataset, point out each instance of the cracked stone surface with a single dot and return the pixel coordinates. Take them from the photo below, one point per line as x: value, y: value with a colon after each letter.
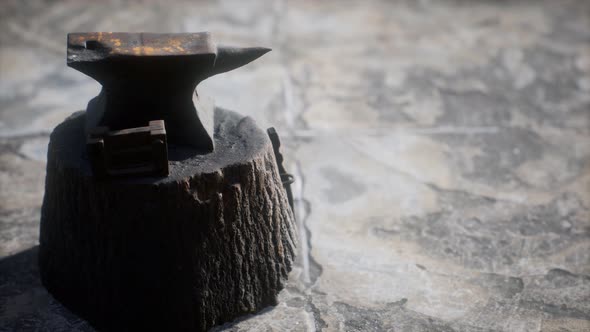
x: 441, y: 150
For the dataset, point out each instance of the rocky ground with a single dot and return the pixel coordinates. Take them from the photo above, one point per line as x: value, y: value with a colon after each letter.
x: 441, y: 149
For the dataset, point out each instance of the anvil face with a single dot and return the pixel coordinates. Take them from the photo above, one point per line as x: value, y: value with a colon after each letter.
x: 110, y: 57
x: 148, y: 76
x: 87, y: 46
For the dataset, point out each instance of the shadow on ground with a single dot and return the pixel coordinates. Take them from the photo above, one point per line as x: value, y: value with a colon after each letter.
x: 25, y: 305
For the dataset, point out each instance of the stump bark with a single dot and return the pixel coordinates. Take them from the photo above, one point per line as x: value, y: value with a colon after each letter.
x: 212, y: 241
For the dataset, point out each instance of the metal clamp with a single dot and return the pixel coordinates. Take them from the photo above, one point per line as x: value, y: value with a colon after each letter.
x: 133, y: 151
x: 286, y: 178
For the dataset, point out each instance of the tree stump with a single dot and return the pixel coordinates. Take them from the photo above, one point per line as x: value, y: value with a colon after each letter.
x: 212, y: 241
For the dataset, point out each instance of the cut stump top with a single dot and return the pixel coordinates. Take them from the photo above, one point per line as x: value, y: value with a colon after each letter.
x: 237, y: 140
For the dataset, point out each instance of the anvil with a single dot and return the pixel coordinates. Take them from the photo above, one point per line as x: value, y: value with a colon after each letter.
x: 150, y: 76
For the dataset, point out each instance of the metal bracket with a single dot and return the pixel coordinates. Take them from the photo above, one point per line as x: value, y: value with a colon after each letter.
x: 286, y: 178
x: 133, y: 151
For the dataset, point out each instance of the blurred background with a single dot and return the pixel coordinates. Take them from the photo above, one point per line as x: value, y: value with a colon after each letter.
x: 441, y: 150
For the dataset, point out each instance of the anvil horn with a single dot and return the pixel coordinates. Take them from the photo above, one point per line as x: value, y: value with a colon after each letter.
x: 230, y: 58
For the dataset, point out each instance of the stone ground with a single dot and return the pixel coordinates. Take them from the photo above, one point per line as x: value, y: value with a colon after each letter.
x: 441, y: 148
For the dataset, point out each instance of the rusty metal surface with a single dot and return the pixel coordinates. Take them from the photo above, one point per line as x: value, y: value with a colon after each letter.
x: 89, y: 46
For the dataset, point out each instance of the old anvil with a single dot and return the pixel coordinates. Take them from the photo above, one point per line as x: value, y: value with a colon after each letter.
x: 150, y: 76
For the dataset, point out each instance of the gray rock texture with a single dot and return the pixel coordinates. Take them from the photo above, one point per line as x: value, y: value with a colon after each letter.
x: 441, y: 149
